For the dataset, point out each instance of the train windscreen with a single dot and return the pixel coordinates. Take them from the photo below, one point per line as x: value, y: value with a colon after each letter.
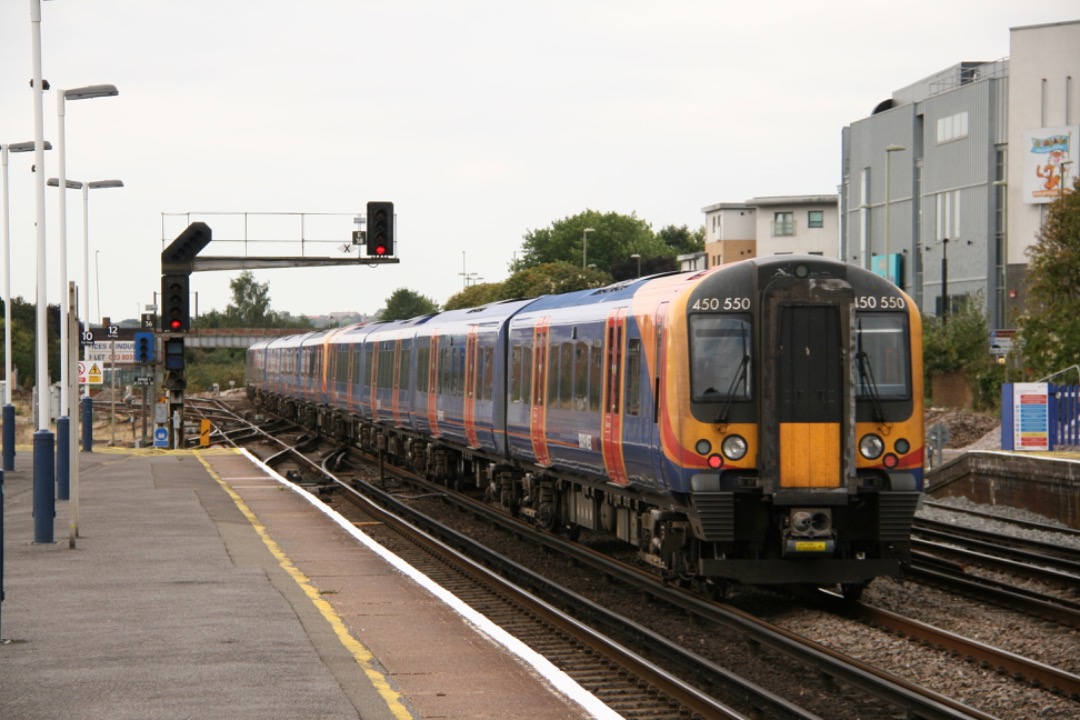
x: 882, y: 357
x: 720, y: 357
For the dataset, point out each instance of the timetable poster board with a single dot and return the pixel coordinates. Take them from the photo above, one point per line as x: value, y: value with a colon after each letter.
x: 1031, y: 416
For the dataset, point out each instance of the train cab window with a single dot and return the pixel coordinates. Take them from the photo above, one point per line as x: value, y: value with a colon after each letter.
x: 881, y: 356
x: 720, y: 357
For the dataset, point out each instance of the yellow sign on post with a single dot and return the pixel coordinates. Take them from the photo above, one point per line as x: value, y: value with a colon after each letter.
x: 204, y: 433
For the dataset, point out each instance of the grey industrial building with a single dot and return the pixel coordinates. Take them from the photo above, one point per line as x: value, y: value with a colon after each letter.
x: 946, y: 183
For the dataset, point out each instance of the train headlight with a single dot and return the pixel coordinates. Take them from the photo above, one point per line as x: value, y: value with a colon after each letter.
x: 871, y: 446
x: 703, y: 447
x: 734, y: 447
x: 902, y: 446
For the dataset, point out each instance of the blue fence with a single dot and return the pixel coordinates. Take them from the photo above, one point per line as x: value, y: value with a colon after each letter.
x: 1040, y: 416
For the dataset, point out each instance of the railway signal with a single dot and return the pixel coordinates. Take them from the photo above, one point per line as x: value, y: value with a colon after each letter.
x: 380, y: 229
x: 174, y: 297
x: 144, y: 347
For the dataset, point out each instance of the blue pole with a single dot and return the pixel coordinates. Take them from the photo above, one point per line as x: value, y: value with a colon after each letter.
x: 9, y: 437
x: 63, y: 457
x: 87, y: 424
x: 1, y: 548
x: 44, y: 494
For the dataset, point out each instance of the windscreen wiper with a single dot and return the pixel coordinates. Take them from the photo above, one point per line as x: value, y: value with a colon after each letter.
x: 866, y: 373
x: 740, y: 373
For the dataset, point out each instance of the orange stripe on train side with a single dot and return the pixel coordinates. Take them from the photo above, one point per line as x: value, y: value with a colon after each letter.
x: 615, y: 361
x: 538, y: 409
x: 471, y: 345
x: 433, y: 386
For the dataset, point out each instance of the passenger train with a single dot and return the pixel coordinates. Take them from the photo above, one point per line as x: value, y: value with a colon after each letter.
x: 760, y: 422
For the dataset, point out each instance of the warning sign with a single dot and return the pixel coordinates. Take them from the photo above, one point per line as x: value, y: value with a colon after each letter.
x: 90, y: 373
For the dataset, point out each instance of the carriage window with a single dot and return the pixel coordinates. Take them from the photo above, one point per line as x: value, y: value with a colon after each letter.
x: 881, y: 356
x: 633, y: 376
x: 581, y: 375
x: 566, y: 375
x: 423, y: 357
x: 720, y: 357
x: 488, y: 359
x: 596, y: 369
x: 515, y: 374
x: 402, y: 379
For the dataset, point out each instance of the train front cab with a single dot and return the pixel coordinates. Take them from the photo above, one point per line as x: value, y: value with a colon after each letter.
x: 824, y: 395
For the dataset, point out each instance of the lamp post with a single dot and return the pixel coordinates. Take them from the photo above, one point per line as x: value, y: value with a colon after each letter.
x: 889, y: 150
x: 637, y: 256
x: 44, y: 467
x: 9, y: 409
x: 62, y: 430
x: 86, y: 188
x: 585, y: 246
x: 1004, y: 279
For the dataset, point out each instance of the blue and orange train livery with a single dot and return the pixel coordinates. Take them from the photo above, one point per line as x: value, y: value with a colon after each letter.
x: 760, y: 422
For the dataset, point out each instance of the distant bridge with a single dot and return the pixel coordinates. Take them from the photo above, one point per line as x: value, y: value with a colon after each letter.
x: 234, y: 337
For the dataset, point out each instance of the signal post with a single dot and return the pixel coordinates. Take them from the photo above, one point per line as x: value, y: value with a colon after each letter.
x: 179, y: 260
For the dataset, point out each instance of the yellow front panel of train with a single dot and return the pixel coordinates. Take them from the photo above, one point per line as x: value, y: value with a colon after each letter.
x: 810, y: 455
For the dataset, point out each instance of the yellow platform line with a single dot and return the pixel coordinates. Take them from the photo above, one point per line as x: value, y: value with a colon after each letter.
x: 360, y: 653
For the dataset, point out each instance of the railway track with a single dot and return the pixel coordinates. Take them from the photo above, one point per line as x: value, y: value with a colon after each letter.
x: 754, y: 701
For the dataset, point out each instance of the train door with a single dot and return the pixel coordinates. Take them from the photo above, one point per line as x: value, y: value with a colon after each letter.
x: 432, y: 371
x: 538, y: 408
x: 471, y: 363
x: 611, y: 404
x: 657, y: 375
x: 810, y: 371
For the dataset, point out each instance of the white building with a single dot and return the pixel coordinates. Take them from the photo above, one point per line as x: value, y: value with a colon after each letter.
x: 771, y: 226
x: 931, y: 195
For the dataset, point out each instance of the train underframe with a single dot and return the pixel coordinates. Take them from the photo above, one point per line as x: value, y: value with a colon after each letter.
x: 706, y: 539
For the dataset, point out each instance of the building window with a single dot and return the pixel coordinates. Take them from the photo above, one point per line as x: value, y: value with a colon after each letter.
x: 953, y: 127
x: 783, y: 224
x: 815, y: 219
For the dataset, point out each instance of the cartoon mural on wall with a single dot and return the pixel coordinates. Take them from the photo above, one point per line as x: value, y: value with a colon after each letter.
x: 1049, y: 170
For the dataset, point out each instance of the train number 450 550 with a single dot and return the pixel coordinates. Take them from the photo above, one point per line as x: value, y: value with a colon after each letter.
x: 884, y: 302
x: 728, y: 303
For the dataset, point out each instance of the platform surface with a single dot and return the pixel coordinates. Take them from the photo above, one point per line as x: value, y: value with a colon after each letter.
x: 199, y: 586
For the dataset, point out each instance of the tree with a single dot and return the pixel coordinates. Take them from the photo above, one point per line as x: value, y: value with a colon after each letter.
x: 1049, y: 328
x: 682, y: 239
x: 475, y: 296
x: 404, y: 304
x: 250, y: 308
x: 552, y: 279
x: 961, y: 344
x: 612, y: 238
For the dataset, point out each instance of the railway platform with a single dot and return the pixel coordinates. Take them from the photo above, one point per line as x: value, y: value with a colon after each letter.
x: 201, y: 585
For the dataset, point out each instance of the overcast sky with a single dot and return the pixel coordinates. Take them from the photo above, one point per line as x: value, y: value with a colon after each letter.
x: 480, y: 120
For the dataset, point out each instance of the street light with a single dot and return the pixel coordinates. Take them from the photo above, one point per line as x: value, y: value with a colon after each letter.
x: 86, y: 188
x: 65, y: 442
x: 585, y: 246
x: 44, y: 448
x: 9, y: 409
x: 1004, y: 280
x: 889, y: 150
x: 638, y: 257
